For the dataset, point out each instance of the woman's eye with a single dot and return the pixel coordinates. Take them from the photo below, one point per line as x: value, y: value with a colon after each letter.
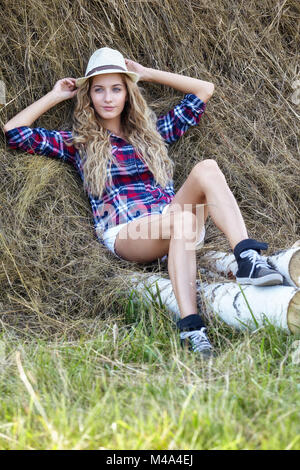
x: 114, y: 89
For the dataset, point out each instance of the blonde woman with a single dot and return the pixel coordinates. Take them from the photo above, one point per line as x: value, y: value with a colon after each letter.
x: 120, y: 149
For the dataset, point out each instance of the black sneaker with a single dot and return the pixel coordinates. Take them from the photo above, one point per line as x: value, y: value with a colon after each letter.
x: 197, y: 341
x: 192, y: 335
x: 254, y: 269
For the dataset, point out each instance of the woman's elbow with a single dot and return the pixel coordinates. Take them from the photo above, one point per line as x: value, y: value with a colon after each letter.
x: 7, y: 127
x: 206, y: 93
x: 210, y: 91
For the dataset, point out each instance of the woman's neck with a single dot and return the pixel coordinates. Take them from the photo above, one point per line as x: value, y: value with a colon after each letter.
x: 115, y: 127
x: 118, y: 133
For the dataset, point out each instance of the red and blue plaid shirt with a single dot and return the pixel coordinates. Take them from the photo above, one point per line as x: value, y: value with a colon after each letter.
x: 134, y: 191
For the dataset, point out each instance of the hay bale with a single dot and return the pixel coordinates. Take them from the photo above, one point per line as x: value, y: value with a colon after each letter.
x: 54, y: 275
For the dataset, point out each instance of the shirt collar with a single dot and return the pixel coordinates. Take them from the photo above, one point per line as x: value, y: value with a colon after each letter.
x: 115, y: 136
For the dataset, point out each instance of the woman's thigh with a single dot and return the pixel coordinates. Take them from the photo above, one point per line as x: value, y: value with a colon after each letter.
x: 144, y: 240
x: 148, y: 238
x: 190, y: 197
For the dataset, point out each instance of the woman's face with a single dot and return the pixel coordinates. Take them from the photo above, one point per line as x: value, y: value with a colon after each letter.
x: 108, y: 93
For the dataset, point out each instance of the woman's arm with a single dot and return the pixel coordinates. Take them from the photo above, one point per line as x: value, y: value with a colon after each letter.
x: 200, y: 88
x: 62, y: 90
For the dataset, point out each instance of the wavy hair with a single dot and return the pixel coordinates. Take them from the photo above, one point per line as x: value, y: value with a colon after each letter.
x: 93, y: 140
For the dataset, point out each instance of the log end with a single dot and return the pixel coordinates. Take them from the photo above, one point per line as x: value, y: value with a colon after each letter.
x: 294, y: 268
x: 293, y: 314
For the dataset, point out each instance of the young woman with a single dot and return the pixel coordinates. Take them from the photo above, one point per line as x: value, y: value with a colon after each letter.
x: 119, y: 148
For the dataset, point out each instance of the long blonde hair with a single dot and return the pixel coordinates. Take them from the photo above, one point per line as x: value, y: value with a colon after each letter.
x: 93, y: 141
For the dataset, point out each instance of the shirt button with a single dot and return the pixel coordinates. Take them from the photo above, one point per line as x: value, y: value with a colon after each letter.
x: 138, y: 213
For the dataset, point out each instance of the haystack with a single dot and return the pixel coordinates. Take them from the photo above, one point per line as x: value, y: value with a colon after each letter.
x: 55, y: 277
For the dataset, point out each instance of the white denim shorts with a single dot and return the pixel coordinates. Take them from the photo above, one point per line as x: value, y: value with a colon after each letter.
x: 110, y: 235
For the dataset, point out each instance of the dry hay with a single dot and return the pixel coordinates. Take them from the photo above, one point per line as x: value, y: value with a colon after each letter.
x: 55, y: 277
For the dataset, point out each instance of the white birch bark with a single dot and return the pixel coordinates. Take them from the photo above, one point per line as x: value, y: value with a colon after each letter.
x: 280, y: 305
x: 287, y: 262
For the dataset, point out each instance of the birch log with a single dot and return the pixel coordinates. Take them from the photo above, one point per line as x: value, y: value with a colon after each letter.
x: 279, y: 304
x: 287, y: 262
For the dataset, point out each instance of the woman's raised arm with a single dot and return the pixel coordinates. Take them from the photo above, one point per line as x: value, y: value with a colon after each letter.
x: 200, y: 88
x: 62, y: 90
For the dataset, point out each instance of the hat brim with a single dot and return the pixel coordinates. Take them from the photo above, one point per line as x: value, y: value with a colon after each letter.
x: 132, y: 75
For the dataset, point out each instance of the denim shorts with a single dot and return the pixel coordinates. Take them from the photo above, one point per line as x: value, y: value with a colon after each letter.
x: 110, y: 235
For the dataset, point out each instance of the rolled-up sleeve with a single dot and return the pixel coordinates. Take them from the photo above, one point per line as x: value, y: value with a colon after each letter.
x: 179, y: 119
x: 42, y: 141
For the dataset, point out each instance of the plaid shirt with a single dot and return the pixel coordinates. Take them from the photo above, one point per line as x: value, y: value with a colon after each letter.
x: 134, y: 192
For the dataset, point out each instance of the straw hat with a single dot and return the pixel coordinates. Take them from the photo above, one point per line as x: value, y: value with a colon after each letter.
x: 106, y: 60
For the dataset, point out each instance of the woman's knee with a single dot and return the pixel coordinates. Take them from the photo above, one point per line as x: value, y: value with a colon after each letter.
x: 206, y: 171
x: 206, y: 168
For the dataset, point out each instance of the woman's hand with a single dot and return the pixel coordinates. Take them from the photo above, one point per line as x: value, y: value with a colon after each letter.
x: 65, y: 88
x: 62, y: 90
x: 137, y: 68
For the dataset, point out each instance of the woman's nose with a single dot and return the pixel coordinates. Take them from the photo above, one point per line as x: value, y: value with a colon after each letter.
x: 107, y: 97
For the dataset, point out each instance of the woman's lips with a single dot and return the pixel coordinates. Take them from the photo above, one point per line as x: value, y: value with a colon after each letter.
x: 108, y: 108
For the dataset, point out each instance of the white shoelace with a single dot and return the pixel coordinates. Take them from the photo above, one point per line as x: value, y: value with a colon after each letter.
x: 198, y: 338
x: 257, y: 260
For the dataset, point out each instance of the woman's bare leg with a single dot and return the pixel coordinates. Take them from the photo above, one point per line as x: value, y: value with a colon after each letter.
x: 205, y: 184
x: 182, y: 268
x: 176, y: 232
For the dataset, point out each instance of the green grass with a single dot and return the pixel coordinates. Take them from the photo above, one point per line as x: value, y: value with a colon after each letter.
x: 128, y: 385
